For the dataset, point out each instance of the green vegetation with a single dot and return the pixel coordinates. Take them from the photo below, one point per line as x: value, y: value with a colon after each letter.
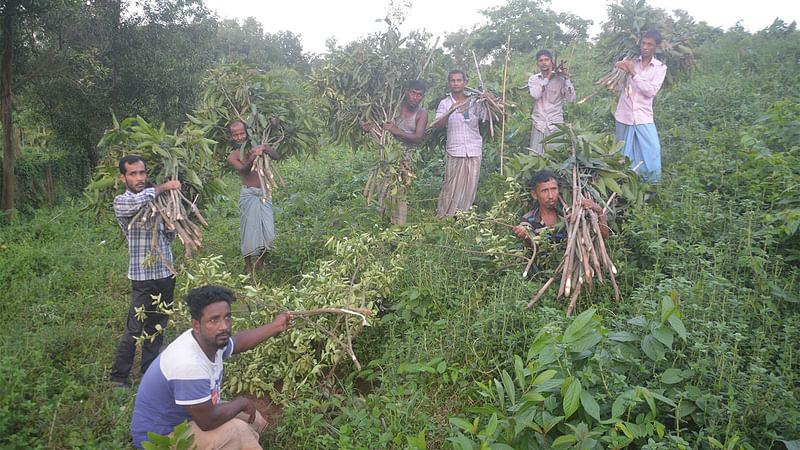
x: 701, y: 352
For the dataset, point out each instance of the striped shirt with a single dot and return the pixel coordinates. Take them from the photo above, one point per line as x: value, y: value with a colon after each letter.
x: 463, y: 137
x: 140, y: 237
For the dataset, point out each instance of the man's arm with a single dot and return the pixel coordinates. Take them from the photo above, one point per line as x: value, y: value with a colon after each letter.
x: 129, y: 204
x: 209, y: 416
x: 536, y: 86
x: 245, y: 340
x: 522, y: 232
x: 650, y: 85
x: 442, y: 114
x: 243, y: 166
x: 420, y: 122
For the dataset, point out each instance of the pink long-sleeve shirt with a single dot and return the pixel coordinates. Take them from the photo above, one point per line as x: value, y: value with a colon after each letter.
x: 637, y: 108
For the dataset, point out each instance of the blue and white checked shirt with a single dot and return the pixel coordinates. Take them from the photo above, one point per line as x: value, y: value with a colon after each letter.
x: 140, y: 237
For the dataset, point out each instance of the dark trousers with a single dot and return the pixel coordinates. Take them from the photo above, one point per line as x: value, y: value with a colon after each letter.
x: 142, y: 295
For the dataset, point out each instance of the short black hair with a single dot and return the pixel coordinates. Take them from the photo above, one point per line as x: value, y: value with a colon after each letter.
x: 128, y: 159
x: 235, y: 122
x: 455, y: 71
x: 541, y: 176
x: 197, y: 299
x: 544, y: 52
x: 654, y: 35
x: 418, y: 85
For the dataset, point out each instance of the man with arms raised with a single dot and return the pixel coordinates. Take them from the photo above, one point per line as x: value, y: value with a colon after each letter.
x: 151, y: 274
x: 461, y: 114
x: 256, y: 227
x: 634, y: 115
x: 549, y: 90
x: 183, y: 383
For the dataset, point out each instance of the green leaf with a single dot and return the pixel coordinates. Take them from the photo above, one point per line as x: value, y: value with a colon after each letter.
x: 563, y: 441
x: 519, y: 372
x: 677, y: 325
x: 544, y: 376
x: 671, y: 376
x: 463, y: 424
x: 579, y: 326
x: 508, y: 384
x: 490, y: 427
x: 463, y: 442
x: 652, y: 348
x: 590, y: 405
x: 664, y: 335
x: 571, y: 392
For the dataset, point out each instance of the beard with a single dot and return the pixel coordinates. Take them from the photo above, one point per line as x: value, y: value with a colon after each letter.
x: 222, y: 344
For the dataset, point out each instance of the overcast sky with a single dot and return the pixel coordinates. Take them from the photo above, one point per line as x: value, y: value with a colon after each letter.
x: 346, y: 20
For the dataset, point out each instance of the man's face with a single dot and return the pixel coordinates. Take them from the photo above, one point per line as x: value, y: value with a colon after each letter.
x: 214, y: 327
x: 544, y: 63
x: 648, y: 47
x: 134, y: 176
x: 414, y: 97
x: 238, y: 133
x: 456, y: 83
x: 546, y: 194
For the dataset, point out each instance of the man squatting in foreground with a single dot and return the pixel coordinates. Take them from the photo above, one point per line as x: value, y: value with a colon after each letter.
x: 460, y: 113
x: 549, y: 90
x: 543, y: 187
x: 634, y: 115
x: 408, y: 128
x: 151, y: 281
x: 184, y: 381
x: 256, y: 227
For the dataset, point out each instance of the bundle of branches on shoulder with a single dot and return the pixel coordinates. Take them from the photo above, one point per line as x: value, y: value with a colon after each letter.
x: 274, y: 106
x: 615, y: 79
x: 365, y: 83
x: 185, y: 155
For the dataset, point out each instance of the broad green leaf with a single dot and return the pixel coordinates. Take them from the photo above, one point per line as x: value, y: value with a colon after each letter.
x: 667, y: 308
x: 563, y: 441
x: 544, y: 376
x: 590, y: 405
x: 677, y: 325
x: 622, y: 336
x: 519, y: 372
x: 463, y: 424
x: 652, y: 348
x: 490, y: 427
x: 571, y: 392
x: 586, y: 342
x: 664, y: 335
x: 579, y: 326
x: 508, y: 384
x: 671, y: 376
x: 462, y: 442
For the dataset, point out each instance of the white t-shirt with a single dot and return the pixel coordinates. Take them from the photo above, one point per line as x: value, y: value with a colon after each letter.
x: 181, y: 375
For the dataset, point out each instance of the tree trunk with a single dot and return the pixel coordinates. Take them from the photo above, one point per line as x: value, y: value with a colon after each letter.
x: 6, y: 69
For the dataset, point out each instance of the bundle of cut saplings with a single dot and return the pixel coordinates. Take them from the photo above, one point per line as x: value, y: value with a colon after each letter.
x: 586, y: 255
x: 168, y: 208
x: 612, y: 80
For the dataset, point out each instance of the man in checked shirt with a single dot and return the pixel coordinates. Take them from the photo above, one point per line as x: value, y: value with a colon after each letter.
x: 149, y: 279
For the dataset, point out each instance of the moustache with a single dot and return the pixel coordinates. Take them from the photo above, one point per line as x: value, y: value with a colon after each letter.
x: 221, y: 335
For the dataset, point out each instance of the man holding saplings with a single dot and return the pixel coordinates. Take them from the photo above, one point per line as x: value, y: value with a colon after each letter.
x: 544, y: 190
x: 256, y: 228
x: 634, y: 114
x: 460, y: 113
x: 151, y: 275
x: 408, y: 128
x: 184, y: 382
x: 549, y: 88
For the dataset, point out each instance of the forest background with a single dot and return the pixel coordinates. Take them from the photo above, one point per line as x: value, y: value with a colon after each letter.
x: 702, y: 351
